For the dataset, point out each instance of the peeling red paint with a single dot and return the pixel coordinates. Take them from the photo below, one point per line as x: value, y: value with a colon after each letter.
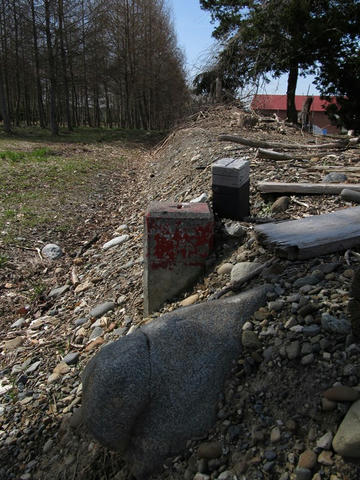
x: 175, y: 240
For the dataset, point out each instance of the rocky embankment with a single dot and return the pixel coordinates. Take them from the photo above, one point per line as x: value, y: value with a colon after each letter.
x: 298, y: 373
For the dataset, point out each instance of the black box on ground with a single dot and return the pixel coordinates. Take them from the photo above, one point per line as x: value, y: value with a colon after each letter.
x: 230, y: 186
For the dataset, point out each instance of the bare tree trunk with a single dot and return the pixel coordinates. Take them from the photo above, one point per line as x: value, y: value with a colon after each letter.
x: 86, y: 92
x: 63, y: 64
x: 3, y: 100
x: 17, y: 72
x: 109, y: 120
x: 218, y: 90
x: 37, y: 68
x: 51, y: 61
x: 3, y: 105
x: 291, y: 89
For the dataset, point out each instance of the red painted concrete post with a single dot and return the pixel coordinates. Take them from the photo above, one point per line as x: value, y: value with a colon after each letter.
x: 178, y: 240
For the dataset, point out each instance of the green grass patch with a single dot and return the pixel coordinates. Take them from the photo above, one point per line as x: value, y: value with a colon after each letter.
x: 88, y: 135
x: 37, y: 290
x: 44, y: 179
x: 43, y: 183
x: 3, y: 261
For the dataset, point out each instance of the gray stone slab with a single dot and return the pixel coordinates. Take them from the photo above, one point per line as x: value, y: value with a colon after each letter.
x: 149, y: 392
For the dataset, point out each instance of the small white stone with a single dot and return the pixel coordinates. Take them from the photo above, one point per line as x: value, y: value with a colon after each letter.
x: 325, y: 441
x: 131, y: 330
x: 115, y: 241
x: 52, y: 251
x: 200, y: 199
x: 18, y: 323
x: 248, y: 326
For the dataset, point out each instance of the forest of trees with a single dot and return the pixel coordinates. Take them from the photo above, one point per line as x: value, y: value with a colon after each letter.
x: 89, y: 62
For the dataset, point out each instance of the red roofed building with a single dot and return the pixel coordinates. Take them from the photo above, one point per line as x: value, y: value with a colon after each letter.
x: 269, y: 104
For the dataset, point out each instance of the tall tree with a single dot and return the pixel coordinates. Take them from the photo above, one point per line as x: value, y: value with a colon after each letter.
x: 4, y: 108
x: 37, y: 66
x: 60, y: 12
x: 278, y: 36
x: 51, y: 68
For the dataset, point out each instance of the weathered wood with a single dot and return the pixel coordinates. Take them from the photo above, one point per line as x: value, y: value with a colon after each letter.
x: 350, y: 195
x: 262, y: 144
x: 334, y: 168
x: 262, y: 152
x: 312, y: 236
x: 305, y: 114
x: 306, y: 188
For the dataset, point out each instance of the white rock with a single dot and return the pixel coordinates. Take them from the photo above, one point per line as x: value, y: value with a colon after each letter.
x: 242, y: 269
x: 4, y: 388
x: 18, y: 323
x: 200, y: 199
x: 325, y: 441
x: 115, y: 241
x: 122, y: 228
x: 248, y: 326
x: 52, y: 251
x: 131, y: 330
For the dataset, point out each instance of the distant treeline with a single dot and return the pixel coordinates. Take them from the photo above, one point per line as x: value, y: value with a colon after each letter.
x: 89, y: 62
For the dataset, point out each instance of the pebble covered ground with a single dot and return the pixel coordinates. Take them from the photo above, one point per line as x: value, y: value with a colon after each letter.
x: 279, y: 412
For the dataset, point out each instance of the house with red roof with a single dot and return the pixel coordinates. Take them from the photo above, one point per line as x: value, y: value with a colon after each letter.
x: 270, y: 104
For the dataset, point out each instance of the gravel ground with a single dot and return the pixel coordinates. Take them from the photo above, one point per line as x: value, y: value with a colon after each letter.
x: 274, y: 421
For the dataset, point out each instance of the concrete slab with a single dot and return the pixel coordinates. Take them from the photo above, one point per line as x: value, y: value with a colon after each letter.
x: 177, y: 241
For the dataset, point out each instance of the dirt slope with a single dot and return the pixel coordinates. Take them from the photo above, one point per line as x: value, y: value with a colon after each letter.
x: 271, y: 411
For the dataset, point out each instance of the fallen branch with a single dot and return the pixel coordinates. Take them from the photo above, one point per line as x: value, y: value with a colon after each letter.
x: 262, y: 152
x: 334, y: 168
x: 261, y: 144
x: 87, y: 244
x: 31, y: 249
x: 74, y: 277
x: 305, y: 188
x: 236, y: 286
x: 295, y: 200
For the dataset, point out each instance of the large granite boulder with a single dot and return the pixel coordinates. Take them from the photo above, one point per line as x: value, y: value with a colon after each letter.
x: 149, y: 392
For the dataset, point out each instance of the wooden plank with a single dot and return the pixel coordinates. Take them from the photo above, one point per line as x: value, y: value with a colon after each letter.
x: 261, y: 144
x: 306, y: 188
x: 312, y: 236
x: 350, y: 195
